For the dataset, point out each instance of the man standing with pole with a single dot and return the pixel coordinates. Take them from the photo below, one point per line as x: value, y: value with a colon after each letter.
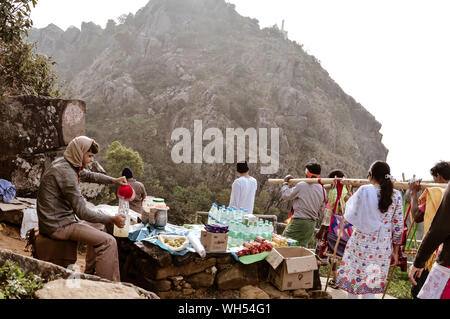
x: 308, y: 202
x: 308, y: 205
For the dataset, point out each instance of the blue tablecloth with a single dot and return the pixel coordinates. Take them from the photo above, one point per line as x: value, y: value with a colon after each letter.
x: 148, y: 233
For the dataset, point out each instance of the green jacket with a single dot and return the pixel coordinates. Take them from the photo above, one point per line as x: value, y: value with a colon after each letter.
x: 59, y: 199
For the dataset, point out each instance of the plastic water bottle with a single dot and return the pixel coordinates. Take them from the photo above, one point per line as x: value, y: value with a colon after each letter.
x: 233, y: 215
x: 260, y: 231
x: 238, y: 234
x: 240, y: 214
x: 219, y: 214
x: 266, y: 230
x: 239, y: 240
x: 247, y: 234
x: 271, y: 229
x: 212, y: 213
x: 253, y: 231
x: 124, y: 207
x: 231, y: 237
x: 229, y: 216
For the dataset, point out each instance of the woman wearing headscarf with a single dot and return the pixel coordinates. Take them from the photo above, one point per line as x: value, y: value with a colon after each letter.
x: 376, y: 213
x: 139, y: 190
x: 61, y: 207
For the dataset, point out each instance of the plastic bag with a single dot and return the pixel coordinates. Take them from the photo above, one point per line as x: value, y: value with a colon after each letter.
x: 29, y: 221
x: 195, y: 242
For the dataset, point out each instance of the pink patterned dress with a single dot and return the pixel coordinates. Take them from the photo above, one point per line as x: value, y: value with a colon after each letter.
x: 365, y: 265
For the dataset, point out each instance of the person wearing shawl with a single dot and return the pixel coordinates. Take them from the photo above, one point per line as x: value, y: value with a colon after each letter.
x: 338, y: 208
x: 424, y: 209
x: 62, y: 210
x: 376, y: 213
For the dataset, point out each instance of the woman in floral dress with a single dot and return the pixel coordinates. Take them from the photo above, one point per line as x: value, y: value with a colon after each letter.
x: 376, y: 212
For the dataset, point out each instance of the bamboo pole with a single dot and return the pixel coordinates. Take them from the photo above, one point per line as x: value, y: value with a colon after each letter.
x: 389, y: 281
x: 350, y: 181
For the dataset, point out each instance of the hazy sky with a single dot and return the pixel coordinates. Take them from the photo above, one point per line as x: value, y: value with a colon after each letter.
x: 390, y: 56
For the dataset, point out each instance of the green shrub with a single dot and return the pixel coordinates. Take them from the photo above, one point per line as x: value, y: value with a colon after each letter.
x: 16, y: 284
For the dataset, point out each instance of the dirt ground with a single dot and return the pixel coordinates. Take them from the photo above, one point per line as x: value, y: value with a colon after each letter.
x: 10, y: 239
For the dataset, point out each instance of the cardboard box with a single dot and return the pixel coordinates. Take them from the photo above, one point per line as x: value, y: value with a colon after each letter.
x: 292, y: 267
x: 214, y: 242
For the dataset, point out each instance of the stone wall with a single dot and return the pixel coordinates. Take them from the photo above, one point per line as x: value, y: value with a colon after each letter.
x: 171, y: 276
x: 218, y: 276
x: 33, y: 132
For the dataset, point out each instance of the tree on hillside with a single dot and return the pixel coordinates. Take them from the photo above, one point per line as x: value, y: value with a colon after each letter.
x: 119, y: 156
x: 15, y: 19
x: 22, y: 71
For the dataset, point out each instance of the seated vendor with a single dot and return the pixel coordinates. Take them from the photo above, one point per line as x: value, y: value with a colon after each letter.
x: 62, y: 210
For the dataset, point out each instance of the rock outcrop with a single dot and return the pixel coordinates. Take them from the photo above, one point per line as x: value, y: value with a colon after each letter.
x: 33, y: 132
x: 85, y: 289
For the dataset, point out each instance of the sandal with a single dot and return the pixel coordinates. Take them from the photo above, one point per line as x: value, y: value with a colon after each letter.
x: 332, y: 284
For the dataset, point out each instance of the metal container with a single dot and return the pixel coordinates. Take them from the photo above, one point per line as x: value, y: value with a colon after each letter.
x: 160, y: 219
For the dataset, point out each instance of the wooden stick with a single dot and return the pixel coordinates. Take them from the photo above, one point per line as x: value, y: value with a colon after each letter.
x: 350, y: 181
x: 333, y: 259
x: 389, y: 281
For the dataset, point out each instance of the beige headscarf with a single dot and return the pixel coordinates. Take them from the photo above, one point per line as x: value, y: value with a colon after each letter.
x: 76, y: 149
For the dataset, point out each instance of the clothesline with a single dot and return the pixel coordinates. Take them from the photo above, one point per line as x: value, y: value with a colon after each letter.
x: 351, y: 182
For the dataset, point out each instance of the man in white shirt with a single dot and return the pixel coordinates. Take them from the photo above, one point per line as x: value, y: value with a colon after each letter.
x: 244, y: 189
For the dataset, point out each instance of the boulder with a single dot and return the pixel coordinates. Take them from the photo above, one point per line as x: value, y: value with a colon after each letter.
x: 237, y: 276
x: 34, y: 132
x: 50, y: 272
x: 158, y: 285
x: 188, y: 291
x: 319, y: 294
x: 252, y: 292
x: 85, y: 289
x: 273, y: 292
x: 300, y: 293
x: 202, y: 279
x: 184, y: 270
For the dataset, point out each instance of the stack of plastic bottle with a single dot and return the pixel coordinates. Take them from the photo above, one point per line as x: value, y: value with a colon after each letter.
x: 239, y: 232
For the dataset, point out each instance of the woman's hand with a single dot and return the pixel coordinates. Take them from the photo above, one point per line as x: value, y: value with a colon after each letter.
x: 394, y: 256
x: 414, y: 186
x: 413, y: 271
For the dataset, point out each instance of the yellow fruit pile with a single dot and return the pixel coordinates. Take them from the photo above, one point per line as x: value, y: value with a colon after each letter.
x: 174, y: 243
x: 279, y: 241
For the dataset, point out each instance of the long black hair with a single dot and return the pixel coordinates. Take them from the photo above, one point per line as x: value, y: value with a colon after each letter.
x: 381, y: 173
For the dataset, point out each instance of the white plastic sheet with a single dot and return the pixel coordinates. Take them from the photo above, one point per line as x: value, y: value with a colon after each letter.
x: 29, y: 221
